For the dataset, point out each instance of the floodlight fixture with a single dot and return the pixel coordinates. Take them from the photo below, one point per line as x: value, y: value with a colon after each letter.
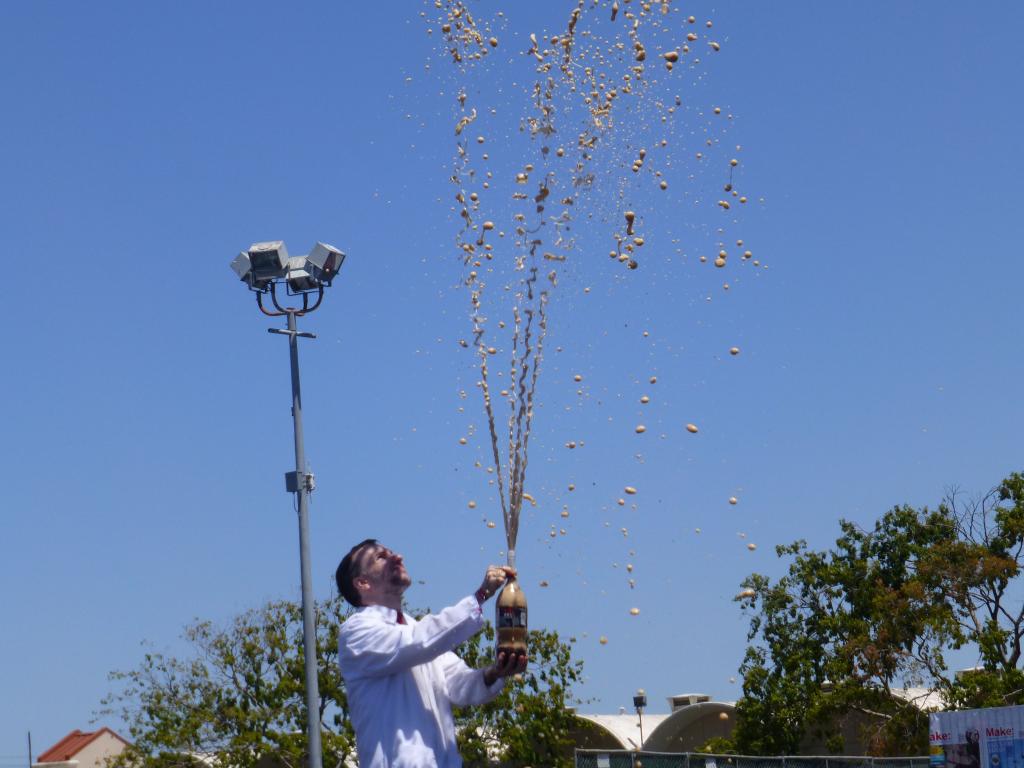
x: 325, y: 261
x: 266, y: 266
x: 300, y: 277
x: 243, y: 268
x: 268, y: 259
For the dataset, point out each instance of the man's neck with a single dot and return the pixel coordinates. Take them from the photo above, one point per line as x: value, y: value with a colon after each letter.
x: 394, y: 602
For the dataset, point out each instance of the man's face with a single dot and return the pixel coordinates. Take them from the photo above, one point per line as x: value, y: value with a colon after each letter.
x: 381, y: 573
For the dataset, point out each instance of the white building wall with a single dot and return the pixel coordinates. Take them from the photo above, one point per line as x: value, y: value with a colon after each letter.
x: 99, y: 750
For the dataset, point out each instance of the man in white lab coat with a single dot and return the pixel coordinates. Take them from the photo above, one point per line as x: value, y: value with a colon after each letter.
x: 401, y: 676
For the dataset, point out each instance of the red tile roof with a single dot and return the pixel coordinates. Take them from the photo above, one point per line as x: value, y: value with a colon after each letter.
x: 72, y: 744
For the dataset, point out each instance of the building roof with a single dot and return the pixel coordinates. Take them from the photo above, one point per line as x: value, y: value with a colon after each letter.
x: 672, y: 730
x: 924, y: 699
x: 625, y: 728
x: 72, y: 744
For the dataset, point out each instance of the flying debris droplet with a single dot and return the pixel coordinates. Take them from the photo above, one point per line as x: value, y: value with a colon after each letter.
x: 471, y: 505
x: 603, y: 640
x: 734, y: 350
x: 733, y: 500
x: 634, y: 611
x: 751, y: 546
x: 604, y: 95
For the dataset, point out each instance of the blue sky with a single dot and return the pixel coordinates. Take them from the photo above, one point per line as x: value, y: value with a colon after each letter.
x: 147, y: 427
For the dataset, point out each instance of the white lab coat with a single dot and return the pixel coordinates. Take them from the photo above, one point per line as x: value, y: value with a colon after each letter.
x: 402, y: 681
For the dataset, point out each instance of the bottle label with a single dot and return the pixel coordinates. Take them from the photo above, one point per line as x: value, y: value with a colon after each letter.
x: 511, y: 616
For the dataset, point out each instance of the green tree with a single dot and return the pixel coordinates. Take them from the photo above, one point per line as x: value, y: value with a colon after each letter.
x: 719, y: 745
x: 851, y: 628
x: 529, y: 723
x: 980, y: 570
x: 240, y: 696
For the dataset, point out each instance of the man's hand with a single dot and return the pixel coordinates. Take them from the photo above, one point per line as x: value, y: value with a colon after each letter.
x: 495, y: 576
x: 505, y: 665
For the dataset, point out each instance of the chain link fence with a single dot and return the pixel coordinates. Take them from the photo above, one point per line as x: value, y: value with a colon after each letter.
x: 603, y: 758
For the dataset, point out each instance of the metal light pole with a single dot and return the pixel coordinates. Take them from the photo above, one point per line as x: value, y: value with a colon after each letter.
x: 640, y: 701
x: 301, y: 484
x: 263, y: 268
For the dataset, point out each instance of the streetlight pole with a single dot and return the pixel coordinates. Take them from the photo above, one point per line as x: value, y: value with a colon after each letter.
x: 640, y: 701
x: 301, y: 484
x: 263, y: 268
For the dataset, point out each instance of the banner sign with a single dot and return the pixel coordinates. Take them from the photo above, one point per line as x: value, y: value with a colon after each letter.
x: 977, y: 738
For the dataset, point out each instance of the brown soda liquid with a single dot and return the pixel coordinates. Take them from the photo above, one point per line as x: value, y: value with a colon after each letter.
x: 510, y: 619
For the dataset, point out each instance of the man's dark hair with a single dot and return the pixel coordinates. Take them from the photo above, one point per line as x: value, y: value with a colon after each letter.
x: 348, y: 571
